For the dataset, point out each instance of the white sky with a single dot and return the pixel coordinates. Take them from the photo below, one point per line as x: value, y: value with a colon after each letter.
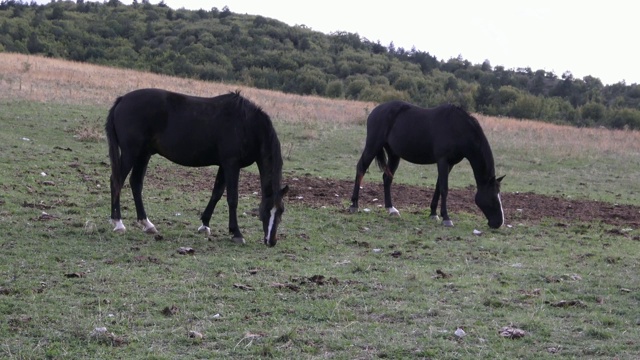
x: 597, y: 38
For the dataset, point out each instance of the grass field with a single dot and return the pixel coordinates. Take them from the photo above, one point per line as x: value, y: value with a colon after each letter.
x: 336, y: 285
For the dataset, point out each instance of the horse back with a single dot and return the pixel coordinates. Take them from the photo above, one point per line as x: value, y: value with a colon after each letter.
x: 188, y: 130
x: 425, y: 135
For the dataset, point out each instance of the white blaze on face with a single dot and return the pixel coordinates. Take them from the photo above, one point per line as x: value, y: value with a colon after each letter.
x: 501, y: 210
x: 272, y: 220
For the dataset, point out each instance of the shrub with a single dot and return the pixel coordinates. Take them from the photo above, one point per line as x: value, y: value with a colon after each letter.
x: 625, y: 119
x: 592, y: 111
x: 335, y: 89
x: 355, y: 87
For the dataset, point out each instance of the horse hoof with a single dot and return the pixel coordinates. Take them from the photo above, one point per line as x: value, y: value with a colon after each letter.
x: 434, y: 217
x: 353, y: 209
x: 447, y: 223
x: 148, y: 227
x: 238, y: 240
x: 204, y: 229
x: 393, y: 211
x: 151, y: 230
x: 119, y: 226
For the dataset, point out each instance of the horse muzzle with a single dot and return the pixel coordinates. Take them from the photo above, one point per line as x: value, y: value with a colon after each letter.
x: 270, y: 242
x: 495, y: 224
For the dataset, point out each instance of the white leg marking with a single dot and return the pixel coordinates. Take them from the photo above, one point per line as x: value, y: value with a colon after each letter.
x: 149, y: 228
x: 119, y: 226
x: 393, y: 211
x: 447, y: 223
x: 272, y: 219
x: 204, y: 229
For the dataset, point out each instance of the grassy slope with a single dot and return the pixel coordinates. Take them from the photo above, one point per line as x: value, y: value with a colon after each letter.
x: 255, y: 301
x: 588, y: 163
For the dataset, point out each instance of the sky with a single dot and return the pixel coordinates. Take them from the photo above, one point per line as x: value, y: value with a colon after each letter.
x: 596, y: 38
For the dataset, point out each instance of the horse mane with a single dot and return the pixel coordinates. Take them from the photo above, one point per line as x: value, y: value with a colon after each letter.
x: 271, y: 144
x: 485, y: 148
x: 248, y: 107
x: 276, y: 161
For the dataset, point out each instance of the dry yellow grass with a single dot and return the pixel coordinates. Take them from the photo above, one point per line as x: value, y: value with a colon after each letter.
x: 561, y: 141
x: 43, y: 79
x: 52, y: 80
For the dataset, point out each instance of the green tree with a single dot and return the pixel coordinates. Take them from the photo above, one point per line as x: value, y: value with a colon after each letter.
x: 334, y: 89
x: 355, y: 87
x: 57, y: 13
x: 593, y: 112
x: 311, y: 81
x: 526, y: 106
x: 483, y: 97
x: 506, y: 95
x: 625, y: 119
x: 34, y: 45
x: 405, y: 83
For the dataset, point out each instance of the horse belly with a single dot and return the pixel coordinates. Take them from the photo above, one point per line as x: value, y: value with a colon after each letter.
x: 417, y: 150
x: 188, y: 150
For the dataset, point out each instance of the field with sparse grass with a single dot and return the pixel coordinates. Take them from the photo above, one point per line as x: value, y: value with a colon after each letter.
x: 337, y: 285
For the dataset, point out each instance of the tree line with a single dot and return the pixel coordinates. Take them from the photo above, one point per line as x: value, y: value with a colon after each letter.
x: 219, y: 45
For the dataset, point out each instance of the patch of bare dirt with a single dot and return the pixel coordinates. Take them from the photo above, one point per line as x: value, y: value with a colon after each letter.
x: 518, y: 207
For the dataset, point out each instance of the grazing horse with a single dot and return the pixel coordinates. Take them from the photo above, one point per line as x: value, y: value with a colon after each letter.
x: 226, y: 130
x: 443, y: 135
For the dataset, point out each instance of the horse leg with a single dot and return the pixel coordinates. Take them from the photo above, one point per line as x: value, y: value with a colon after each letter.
x: 116, y: 188
x: 136, y: 179
x: 232, y: 175
x: 387, y: 178
x: 434, y: 202
x: 443, y: 179
x: 361, y: 168
x: 216, y: 194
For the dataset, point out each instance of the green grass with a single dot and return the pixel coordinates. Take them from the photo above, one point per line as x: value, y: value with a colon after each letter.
x: 380, y: 295
x: 332, y: 151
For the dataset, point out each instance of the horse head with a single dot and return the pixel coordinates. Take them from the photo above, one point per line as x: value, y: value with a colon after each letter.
x: 488, y: 200
x: 271, y: 210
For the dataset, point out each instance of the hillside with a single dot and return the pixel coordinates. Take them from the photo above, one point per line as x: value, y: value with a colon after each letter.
x: 37, y: 78
x: 219, y: 45
x: 42, y: 79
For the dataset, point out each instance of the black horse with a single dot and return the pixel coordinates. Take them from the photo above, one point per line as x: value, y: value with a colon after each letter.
x: 443, y: 135
x: 226, y: 130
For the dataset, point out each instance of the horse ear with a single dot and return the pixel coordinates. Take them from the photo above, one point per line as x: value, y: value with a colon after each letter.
x: 284, y: 190
x: 500, y: 178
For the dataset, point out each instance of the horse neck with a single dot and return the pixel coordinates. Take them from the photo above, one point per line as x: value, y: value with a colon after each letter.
x: 481, y: 161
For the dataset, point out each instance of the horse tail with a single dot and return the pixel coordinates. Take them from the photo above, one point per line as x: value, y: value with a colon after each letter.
x: 388, y: 117
x: 114, y: 148
x: 381, y: 160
